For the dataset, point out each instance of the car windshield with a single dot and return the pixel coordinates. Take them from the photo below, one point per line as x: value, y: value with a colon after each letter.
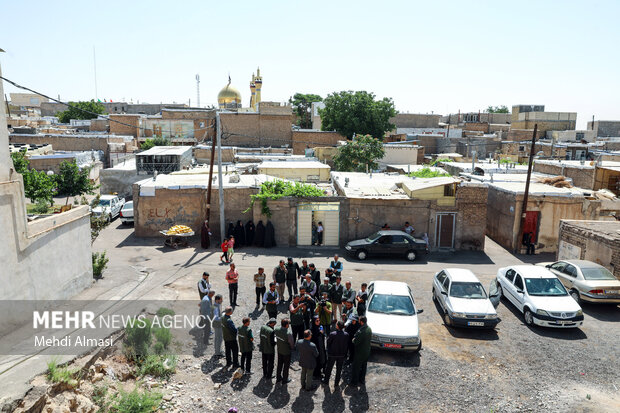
x: 373, y: 237
x: 467, y: 290
x: 104, y: 202
x: 391, y: 304
x: 597, y: 273
x: 544, y: 287
x: 128, y: 205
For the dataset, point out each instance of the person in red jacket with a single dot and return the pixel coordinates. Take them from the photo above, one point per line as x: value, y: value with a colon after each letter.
x: 224, y: 251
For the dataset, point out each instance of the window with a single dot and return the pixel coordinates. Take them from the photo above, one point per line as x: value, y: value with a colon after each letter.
x: 399, y: 239
x: 558, y: 266
x: 521, y: 148
x: 597, y: 273
x: 386, y: 239
x: 446, y: 284
x: 519, y: 283
x: 570, y: 270
x: 510, y: 275
x: 448, y: 190
x: 313, y: 178
x: 545, y: 287
x: 579, y: 136
x: 468, y: 290
x: 441, y: 277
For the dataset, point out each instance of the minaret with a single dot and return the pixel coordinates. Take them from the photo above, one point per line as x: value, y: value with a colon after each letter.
x: 258, y: 81
x: 253, y: 92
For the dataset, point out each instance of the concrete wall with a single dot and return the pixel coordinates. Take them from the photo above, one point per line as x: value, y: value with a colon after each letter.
x: 415, y: 120
x: 592, y: 244
x: 46, y: 259
x: 582, y: 177
x: 52, y: 108
x: 120, y: 181
x: 313, y: 138
x: 297, y: 173
x: 605, y: 128
x: 202, y: 154
x: 403, y: 154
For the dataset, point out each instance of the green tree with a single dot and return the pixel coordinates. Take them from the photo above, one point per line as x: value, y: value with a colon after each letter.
x: 349, y: 113
x: 73, y: 181
x: 497, y: 109
x: 78, y: 111
x: 156, y: 141
x: 355, y: 155
x: 302, y: 105
x: 20, y: 162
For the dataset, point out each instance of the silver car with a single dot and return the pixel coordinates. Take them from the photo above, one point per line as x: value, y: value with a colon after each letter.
x: 392, y: 316
x: 587, y: 281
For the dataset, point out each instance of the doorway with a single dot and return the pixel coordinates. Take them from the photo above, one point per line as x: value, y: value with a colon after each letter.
x: 444, y: 230
x: 310, y: 214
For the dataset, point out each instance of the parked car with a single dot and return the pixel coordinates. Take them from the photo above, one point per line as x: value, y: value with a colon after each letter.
x: 387, y: 242
x: 463, y: 299
x: 127, y: 213
x: 392, y: 316
x: 109, y: 207
x: 540, y: 296
x: 587, y: 281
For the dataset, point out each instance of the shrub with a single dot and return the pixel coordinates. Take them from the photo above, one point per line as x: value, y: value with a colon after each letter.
x: 41, y: 207
x: 138, y: 339
x: 136, y: 401
x: 278, y: 189
x: 100, y: 262
x: 99, y: 396
x: 57, y: 374
x: 164, y: 311
x: 439, y: 160
x: 163, y: 336
x: 158, y: 366
x: 427, y: 173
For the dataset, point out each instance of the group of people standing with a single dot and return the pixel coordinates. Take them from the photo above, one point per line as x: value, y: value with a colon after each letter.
x: 324, y: 323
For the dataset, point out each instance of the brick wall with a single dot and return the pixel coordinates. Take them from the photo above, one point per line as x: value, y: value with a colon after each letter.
x: 312, y: 138
x: 522, y: 134
x: 476, y: 126
x: 582, y: 177
x: 130, y: 125
x: 256, y: 130
x: 471, y: 202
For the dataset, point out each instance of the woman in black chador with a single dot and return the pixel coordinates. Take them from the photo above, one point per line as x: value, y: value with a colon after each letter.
x: 259, y: 236
x: 249, y: 233
x: 270, y: 235
x: 231, y: 230
x: 239, y: 234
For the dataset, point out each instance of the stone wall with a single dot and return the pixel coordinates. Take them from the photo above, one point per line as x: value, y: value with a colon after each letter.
x: 131, y: 125
x: 313, y: 139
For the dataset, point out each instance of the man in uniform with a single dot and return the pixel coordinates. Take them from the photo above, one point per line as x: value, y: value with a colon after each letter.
x: 337, y: 347
x: 284, y: 344
x: 296, y: 310
x: 336, y: 298
x: 279, y: 277
x: 229, y: 332
x: 246, y: 345
x: 266, y: 347
x: 330, y: 275
x: 292, y: 268
x: 304, y: 269
x: 203, y: 285
x: 271, y: 299
x: 361, y: 341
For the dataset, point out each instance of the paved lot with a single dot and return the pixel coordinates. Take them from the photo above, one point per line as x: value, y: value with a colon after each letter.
x: 514, y: 368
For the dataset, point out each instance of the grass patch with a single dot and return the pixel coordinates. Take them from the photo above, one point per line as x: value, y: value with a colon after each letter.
x: 427, y: 172
x: 58, y: 374
x: 136, y: 401
x: 158, y: 366
x: 99, y: 397
x: 163, y: 311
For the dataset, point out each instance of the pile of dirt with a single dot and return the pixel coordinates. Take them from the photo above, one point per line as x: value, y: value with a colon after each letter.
x: 556, y: 181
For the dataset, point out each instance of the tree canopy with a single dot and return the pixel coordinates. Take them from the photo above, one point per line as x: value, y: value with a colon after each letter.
x: 156, y: 141
x: 356, y: 154
x: 302, y: 105
x: 38, y: 186
x: 349, y: 113
x: 73, y: 181
x: 497, y: 109
x: 278, y: 189
x: 77, y: 111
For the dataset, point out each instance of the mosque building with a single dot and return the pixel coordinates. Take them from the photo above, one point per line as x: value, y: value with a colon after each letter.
x: 229, y: 97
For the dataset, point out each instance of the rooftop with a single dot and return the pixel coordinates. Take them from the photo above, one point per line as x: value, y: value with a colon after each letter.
x: 406, y: 168
x: 383, y: 185
x: 488, y: 167
x: 166, y: 150
x: 176, y: 182
x: 539, y: 189
x: 296, y: 164
x: 536, y: 176
x: 577, y: 164
x: 608, y: 229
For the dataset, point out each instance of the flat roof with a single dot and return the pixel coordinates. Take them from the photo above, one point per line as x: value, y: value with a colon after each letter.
x: 383, y: 185
x: 310, y: 164
x: 614, y: 165
x: 610, y: 229
x: 125, y: 165
x: 537, y: 188
x: 176, y: 182
x: 166, y: 150
x: 536, y: 176
x: 412, y: 168
x: 486, y: 166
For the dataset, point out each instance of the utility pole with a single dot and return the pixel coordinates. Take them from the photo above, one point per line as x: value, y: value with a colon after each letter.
x: 198, y: 90
x: 95, y: 68
x: 527, y: 185
x: 219, y: 174
x: 210, y: 181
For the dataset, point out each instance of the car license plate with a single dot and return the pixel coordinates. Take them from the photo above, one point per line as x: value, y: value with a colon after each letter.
x: 476, y: 323
x: 390, y: 345
x: 611, y: 292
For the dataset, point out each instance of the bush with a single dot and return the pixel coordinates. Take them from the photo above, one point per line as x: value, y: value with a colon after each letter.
x: 100, y: 262
x: 278, y: 188
x: 163, y: 336
x: 440, y: 160
x: 99, y: 396
x: 138, y: 339
x: 158, y: 366
x: 41, y: 207
x: 57, y: 374
x: 136, y: 401
x: 427, y: 173
x: 164, y: 311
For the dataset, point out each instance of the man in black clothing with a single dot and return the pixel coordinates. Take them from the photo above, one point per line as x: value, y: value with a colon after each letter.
x: 315, y: 275
x: 279, y: 277
x: 292, y: 268
x: 337, y: 347
x: 351, y: 329
x: 310, y: 304
x: 304, y: 269
x: 362, y: 297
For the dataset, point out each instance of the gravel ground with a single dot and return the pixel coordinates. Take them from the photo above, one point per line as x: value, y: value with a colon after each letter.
x: 513, y: 368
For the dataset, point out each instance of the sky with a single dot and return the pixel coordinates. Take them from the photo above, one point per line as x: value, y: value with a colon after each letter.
x: 428, y: 56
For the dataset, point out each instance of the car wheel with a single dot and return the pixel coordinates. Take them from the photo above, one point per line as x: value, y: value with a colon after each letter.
x: 108, y: 218
x: 575, y: 295
x: 434, y: 296
x: 446, y: 319
x: 411, y: 255
x: 362, y: 255
x: 528, y: 317
x: 499, y: 290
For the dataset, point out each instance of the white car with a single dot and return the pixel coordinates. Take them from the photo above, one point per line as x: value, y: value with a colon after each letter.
x: 392, y: 316
x: 463, y: 299
x: 127, y: 213
x: 109, y: 207
x: 540, y: 296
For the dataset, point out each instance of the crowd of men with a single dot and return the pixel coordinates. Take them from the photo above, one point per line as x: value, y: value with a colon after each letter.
x: 325, y: 323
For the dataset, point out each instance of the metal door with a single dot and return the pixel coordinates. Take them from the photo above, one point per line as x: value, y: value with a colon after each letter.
x: 445, y: 230
x: 304, y: 227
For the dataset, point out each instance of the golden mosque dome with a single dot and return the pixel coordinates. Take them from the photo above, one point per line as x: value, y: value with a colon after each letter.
x: 229, y: 96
